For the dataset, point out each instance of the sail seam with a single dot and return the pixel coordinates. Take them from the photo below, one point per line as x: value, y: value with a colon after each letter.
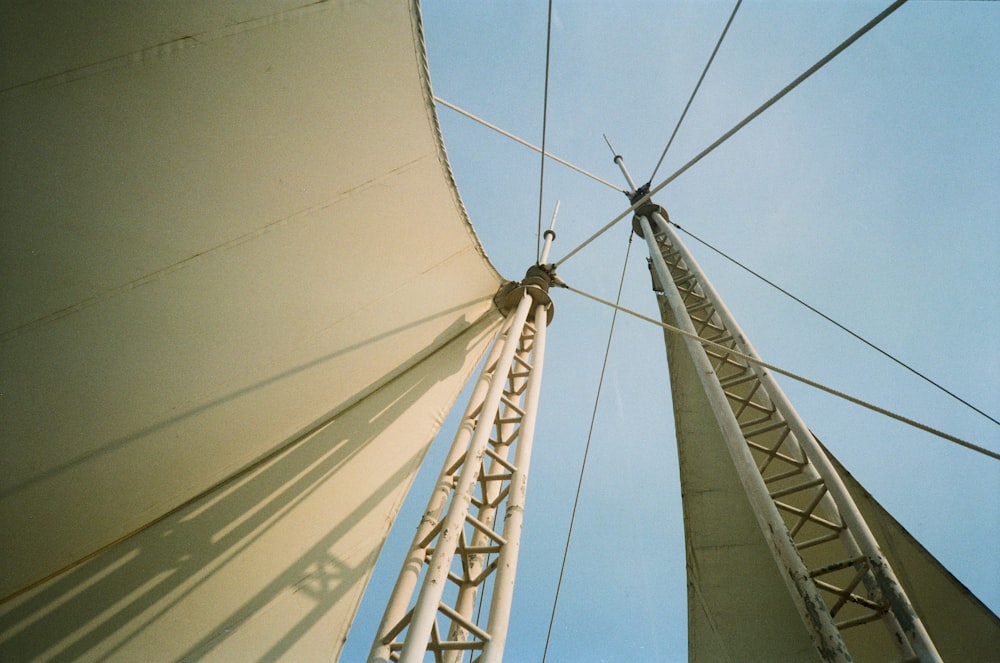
x: 298, y: 216
x: 166, y: 48
x: 481, y: 325
x: 427, y: 91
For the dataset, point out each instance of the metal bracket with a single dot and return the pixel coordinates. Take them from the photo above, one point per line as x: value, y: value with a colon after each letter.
x: 647, y: 210
x: 536, y: 283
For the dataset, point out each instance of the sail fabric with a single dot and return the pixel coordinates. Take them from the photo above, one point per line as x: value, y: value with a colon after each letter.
x: 239, y: 294
x: 738, y: 606
x: 961, y: 626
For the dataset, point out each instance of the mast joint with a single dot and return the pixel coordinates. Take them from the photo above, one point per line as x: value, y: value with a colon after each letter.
x: 648, y: 209
x: 637, y: 195
x: 535, y: 284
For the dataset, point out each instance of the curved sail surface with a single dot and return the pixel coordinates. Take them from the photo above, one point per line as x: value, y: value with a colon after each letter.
x: 738, y: 604
x: 240, y: 293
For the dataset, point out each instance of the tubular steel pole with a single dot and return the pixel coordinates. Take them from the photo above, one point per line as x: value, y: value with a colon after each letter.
x: 407, y: 580
x: 487, y: 514
x: 429, y: 598
x: 452, y: 553
x: 503, y: 587
x: 466, y: 599
x: 621, y: 165
x: 802, y: 589
x: 550, y: 235
x: 905, y: 616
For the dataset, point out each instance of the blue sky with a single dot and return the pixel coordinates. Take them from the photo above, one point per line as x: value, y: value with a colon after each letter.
x: 870, y: 191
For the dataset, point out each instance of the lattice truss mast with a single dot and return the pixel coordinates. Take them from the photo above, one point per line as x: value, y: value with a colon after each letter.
x: 470, y: 532
x: 846, y: 593
x: 841, y: 585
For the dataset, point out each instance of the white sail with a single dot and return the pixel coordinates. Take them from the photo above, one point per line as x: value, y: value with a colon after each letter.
x: 240, y: 293
x: 739, y: 606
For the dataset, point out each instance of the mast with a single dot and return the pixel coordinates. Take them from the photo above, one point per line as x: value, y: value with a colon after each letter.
x: 458, y: 548
x: 844, y: 590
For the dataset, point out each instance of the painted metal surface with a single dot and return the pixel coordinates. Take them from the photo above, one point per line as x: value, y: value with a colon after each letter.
x: 827, y: 491
x: 845, y: 593
x: 239, y: 292
x: 732, y: 422
x: 459, y: 550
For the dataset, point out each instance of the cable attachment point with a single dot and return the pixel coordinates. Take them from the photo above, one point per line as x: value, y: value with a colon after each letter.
x: 636, y: 196
x: 536, y: 283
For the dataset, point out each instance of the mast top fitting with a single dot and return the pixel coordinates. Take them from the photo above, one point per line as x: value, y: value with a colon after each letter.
x: 535, y: 284
x: 647, y: 210
x: 635, y: 196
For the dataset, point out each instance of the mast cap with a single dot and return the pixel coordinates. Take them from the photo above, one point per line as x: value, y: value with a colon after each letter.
x: 647, y: 211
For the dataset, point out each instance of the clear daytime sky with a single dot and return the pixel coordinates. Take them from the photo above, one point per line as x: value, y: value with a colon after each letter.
x: 870, y: 191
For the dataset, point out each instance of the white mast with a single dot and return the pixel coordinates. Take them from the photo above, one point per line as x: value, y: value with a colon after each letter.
x: 841, y: 585
x: 457, y: 548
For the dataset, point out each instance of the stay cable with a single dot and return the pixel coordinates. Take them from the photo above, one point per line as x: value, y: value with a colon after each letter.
x: 586, y: 451
x: 742, y: 123
x: 696, y: 87
x: 837, y: 324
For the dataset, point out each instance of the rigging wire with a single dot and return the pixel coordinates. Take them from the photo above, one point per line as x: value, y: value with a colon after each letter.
x: 545, y: 117
x: 837, y: 324
x: 462, y: 111
x: 742, y: 123
x: 482, y: 594
x: 696, y: 87
x: 794, y: 376
x: 586, y: 449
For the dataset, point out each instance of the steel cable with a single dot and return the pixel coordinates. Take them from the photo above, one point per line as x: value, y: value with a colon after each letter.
x: 502, y: 132
x: 745, y: 121
x: 696, y: 87
x: 804, y: 380
x: 837, y: 324
x: 586, y: 451
x: 545, y: 117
